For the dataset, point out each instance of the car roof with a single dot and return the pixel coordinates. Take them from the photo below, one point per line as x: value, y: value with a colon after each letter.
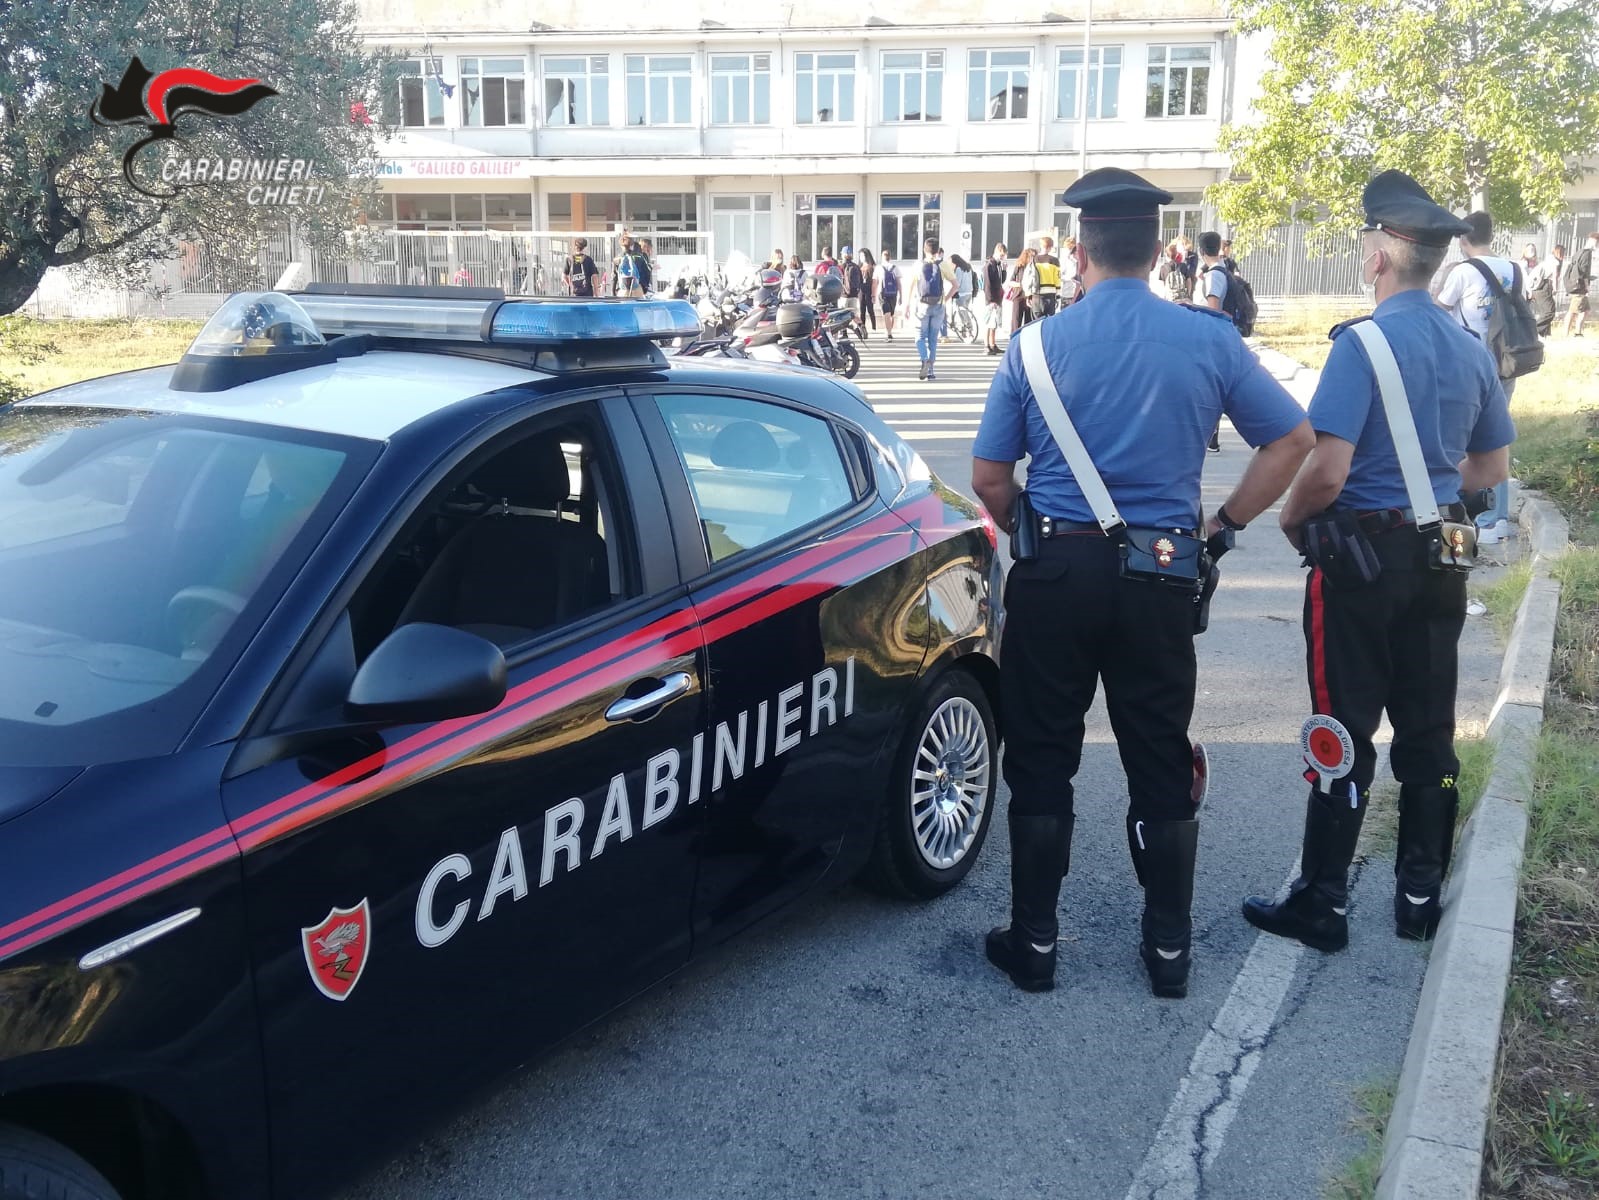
x: 369, y: 396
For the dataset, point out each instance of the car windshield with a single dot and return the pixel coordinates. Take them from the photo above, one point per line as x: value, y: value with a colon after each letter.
x: 138, y: 552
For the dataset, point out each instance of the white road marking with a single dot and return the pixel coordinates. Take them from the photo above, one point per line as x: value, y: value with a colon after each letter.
x: 1207, y: 1100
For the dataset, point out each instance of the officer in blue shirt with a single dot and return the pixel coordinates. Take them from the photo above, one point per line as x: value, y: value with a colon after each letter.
x: 1388, y: 641
x: 1144, y: 382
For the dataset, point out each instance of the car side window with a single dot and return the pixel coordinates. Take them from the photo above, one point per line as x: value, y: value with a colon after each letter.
x: 758, y: 471
x: 526, y: 538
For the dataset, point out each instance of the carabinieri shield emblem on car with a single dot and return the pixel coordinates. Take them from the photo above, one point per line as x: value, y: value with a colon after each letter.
x: 335, y: 950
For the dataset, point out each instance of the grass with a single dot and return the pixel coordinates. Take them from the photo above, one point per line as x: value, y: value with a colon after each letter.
x: 1503, y: 596
x: 1301, y: 333
x: 1357, y: 1179
x: 40, y: 355
x: 1543, y: 1138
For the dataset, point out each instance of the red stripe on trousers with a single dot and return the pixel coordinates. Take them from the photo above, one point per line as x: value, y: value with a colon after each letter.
x: 1318, y: 643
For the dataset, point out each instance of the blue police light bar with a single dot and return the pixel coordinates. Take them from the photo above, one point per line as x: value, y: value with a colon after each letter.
x: 554, y: 322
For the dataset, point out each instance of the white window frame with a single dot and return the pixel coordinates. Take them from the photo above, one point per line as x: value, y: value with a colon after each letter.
x: 1071, y: 91
x: 432, y: 94
x: 590, y: 85
x: 931, y: 63
x: 980, y: 63
x: 837, y: 79
x: 1160, y: 59
x: 725, y: 206
x: 754, y: 72
x: 647, y: 69
x: 484, y: 77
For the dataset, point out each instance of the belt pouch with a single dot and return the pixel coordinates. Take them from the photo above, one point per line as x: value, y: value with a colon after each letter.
x: 1335, y: 543
x: 1167, y: 558
x: 1452, y: 547
x: 1024, y: 529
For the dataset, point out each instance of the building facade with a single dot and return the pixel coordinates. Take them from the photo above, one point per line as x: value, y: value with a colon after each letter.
x: 756, y: 128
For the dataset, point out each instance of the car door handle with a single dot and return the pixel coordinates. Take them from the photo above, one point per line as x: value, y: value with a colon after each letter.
x: 628, y: 707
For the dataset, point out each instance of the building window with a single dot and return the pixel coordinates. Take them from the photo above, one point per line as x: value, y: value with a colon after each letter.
x: 996, y: 84
x: 637, y: 212
x: 997, y: 217
x: 491, y: 91
x: 508, y: 212
x: 421, y: 100
x: 913, y: 85
x: 1104, y: 82
x: 1179, y: 81
x: 824, y: 88
x: 659, y: 87
x: 741, y: 89
x: 577, y: 91
x: 823, y: 223
x: 742, y: 223
x: 909, y: 218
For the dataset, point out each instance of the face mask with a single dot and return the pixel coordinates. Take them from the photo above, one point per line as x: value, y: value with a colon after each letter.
x: 1368, y: 290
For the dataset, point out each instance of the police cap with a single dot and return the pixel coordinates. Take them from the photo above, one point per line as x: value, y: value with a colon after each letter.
x: 1112, y: 194
x: 1396, y: 204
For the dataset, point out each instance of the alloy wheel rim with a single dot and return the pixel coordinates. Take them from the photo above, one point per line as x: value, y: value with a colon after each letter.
x: 949, y: 783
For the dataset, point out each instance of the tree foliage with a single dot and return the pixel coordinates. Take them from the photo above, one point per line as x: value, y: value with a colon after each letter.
x: 63, y: 199
x: 1483, y: 101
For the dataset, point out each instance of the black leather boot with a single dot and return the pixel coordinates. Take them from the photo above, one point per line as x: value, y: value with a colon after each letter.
x: 1315, y: 910
x: 1163, y: 855
x: 1040, y: 854
x: 1426, y: 842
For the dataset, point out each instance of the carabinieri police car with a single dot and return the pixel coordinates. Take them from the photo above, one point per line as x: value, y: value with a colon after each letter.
x: 401, y: 681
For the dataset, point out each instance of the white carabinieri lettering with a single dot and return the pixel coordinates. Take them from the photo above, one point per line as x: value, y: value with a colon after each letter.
x: 779, y: 728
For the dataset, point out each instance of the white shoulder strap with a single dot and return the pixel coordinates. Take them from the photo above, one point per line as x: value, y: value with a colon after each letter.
x: 1401, y: 424
x: 1065, y: 433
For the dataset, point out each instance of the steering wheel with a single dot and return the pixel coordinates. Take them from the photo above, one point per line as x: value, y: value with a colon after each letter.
x: 199, y: 616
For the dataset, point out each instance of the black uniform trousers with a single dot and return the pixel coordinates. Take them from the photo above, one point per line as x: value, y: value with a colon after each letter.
x: 1070, y: 621
x: 1394, y: 644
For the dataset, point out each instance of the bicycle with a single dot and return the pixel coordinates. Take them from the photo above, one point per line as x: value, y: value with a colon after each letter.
x: 963, y: 324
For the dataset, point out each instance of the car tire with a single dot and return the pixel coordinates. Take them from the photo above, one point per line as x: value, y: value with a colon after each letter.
x: 32, y: 1167
x: 849, y: 360
x: 941, y: 794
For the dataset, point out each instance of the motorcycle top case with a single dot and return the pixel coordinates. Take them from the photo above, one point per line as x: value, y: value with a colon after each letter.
x: 796, y: 320
x: 829, y: 288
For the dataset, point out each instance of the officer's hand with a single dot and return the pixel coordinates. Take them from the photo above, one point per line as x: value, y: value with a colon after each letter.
x: 1213, y: 527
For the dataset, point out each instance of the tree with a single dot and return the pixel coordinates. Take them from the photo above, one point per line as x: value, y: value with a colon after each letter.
x: 63, y: 197
x: 1488, y: 103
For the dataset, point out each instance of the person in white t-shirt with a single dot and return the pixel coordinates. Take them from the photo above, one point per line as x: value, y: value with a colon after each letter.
x: 1469, y: 297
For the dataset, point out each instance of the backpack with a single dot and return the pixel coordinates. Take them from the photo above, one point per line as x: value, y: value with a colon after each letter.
x: 890, y: 281
x: 1239, y: 302
x: 1171, y: 274
x: 852, y: 280
x: 1512, y: 329
x: 641, y: 269
x: 1048, y: 273
x: 1578, y: 268
x: 930, y: 284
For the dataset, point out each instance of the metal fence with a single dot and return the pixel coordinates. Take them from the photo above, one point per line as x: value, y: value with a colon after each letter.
x: 1284, y: 268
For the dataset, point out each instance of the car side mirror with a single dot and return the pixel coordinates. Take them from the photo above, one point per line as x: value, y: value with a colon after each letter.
x: 425, y: 672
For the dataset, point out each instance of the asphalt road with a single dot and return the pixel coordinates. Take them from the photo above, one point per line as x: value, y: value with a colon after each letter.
x: 863, y: 1048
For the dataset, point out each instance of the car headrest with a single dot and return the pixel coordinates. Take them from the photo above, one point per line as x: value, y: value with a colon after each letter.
x: 531, y: 475
x: 747, y: 446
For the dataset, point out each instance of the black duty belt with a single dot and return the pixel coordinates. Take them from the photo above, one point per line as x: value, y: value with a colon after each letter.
x: 1382, y: 520
x: 1054, y: 527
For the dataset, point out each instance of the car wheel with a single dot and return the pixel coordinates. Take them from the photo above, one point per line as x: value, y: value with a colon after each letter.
x: 941, y: 795
x: 849, y: 360
x: 33, y: 1167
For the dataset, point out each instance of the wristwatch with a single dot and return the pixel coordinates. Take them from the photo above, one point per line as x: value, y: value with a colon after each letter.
x: 1227, y: 521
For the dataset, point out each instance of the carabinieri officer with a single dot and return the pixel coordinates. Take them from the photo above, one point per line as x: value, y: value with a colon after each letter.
x: 1144, y: 382
x: 1382, y: 620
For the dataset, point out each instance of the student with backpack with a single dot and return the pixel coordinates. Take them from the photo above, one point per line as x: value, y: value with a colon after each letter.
x: 929, y: 293
x: 1484, y: 294
x: 889, y: 285
x: 1224, y: 290
x: 1576, y: 279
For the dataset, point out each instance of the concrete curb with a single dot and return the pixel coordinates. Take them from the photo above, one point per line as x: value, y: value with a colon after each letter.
x: 1433, y: 1147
